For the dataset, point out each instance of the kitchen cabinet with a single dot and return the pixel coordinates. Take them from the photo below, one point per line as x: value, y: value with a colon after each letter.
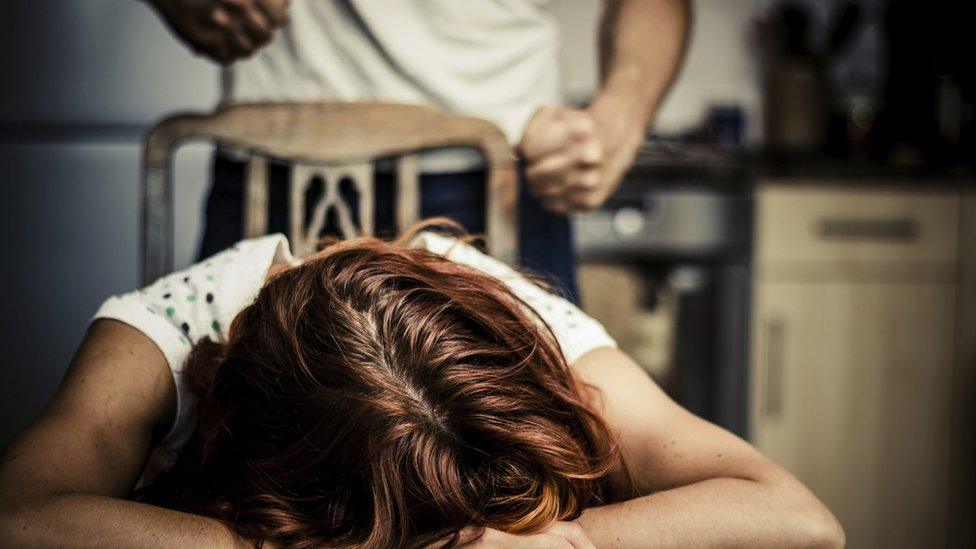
x: 854, y: 352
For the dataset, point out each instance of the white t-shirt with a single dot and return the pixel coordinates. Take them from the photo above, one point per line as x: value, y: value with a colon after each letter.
x: 494, y: 59
x: 181, y: 309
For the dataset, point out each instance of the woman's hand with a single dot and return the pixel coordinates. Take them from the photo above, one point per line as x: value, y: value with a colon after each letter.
x: 558, y: 535
x: 224, y: 30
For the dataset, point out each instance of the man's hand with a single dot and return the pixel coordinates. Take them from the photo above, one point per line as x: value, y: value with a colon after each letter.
x: 224, y: 30
x: 558, y: 535
x: 575, y: 158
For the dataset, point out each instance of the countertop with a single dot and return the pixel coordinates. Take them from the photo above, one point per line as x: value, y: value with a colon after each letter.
x: 682, y: 163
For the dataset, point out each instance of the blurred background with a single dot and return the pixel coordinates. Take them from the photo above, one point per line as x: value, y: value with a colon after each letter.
x: 792, y: 256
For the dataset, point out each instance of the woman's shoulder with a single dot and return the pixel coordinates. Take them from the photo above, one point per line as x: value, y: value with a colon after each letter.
x: 576, y: 332
x: 459, y: 251
x: 200, y: 301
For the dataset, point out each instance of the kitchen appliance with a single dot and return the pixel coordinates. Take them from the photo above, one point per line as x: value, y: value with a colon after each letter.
x: 679, y: 226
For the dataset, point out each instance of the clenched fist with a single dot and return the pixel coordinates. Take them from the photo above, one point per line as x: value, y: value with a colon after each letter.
x: 575, y: 158
x: 224, y: 30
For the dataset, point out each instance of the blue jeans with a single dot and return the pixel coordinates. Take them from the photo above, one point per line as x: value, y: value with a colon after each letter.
x: 545, y: 239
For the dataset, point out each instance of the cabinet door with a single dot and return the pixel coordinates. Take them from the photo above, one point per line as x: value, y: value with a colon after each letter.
x: 851, y: 391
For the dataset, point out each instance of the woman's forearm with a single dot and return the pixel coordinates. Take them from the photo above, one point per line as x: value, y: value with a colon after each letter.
x: 85, y: 520
x: 722, y: 512
x: 63, y: 478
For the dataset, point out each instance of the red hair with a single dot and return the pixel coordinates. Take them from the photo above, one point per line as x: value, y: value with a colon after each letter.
x: 379, y: 395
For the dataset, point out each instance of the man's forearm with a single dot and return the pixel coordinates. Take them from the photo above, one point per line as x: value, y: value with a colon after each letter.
x: 722, y: 512
x: 84, y: 520
x: 642, y: 43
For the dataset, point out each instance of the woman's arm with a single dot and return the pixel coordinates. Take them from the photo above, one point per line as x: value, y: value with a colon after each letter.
x: 702, y: 486
x: 63, y: 477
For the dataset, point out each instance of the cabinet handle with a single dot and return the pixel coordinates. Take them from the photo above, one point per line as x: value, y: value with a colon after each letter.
x: 773, y: 356
x: 863, y: 228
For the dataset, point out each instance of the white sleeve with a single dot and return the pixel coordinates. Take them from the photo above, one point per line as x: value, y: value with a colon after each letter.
x: 187, y: 306
x: 575, y: 331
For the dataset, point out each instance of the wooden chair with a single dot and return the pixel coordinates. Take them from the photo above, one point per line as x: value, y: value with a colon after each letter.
x: 333, y: 141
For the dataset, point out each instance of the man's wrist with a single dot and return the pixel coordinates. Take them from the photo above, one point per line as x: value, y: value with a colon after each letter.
x: 626, y: 83
x: 620, y: 112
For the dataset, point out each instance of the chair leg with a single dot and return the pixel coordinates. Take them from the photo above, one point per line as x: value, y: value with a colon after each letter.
x: 157, y: 228
x: 256, y: 198
x: 363, y: 179
x: 301, y: 177
x: 501, y: 223
x: 407, y: 192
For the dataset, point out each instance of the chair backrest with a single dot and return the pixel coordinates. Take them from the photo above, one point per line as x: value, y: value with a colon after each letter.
x: 333, y: 141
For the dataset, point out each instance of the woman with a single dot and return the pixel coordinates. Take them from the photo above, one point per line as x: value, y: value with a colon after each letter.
x: 415, y: 393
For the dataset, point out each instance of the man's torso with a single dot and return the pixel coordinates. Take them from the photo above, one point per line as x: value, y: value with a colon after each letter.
x: 495, y: 59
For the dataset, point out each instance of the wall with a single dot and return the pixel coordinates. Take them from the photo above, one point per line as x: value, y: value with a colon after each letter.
x: 86, y: 79
x: 718, y: 68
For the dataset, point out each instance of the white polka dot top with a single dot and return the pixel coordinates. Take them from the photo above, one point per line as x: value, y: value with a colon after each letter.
x: 575, y: 331
x: 182, y: 308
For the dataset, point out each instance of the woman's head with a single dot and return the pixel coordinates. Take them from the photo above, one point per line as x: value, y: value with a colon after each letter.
x: 380, y: 395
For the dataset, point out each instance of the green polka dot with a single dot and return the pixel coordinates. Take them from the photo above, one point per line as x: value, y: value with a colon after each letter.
x: 170, y: 311
x: 216, y: 326
x: 191, y: 297
x: 165, y: 286
x: 210, y: 278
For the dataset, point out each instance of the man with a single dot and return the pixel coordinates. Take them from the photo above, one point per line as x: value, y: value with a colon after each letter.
x: 492, y: 59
